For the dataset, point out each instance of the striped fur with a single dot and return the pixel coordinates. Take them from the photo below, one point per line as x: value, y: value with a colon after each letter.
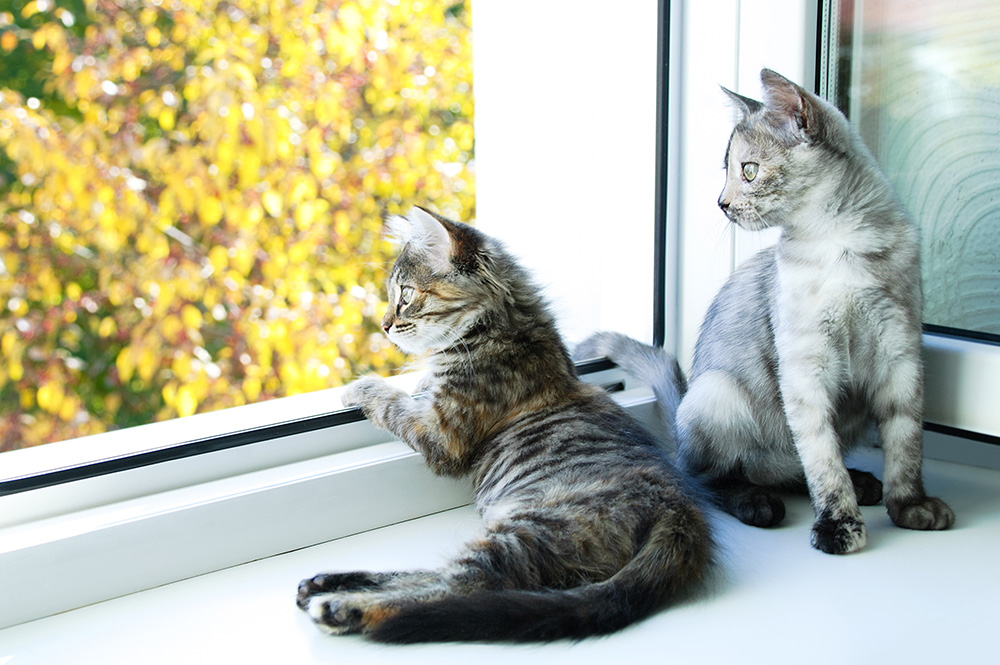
x: 586, y: 525
x: 809, y: 342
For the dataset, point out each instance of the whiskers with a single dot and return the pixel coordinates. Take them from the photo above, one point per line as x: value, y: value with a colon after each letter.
x: 445, y: 342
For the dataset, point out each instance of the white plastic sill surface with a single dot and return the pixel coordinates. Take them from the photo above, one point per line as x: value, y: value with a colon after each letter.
x: 908, y: 597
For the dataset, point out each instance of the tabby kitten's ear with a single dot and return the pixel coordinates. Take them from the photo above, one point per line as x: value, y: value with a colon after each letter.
x: 790, y: 107
x: 746, y: 105
x: 425, y: 235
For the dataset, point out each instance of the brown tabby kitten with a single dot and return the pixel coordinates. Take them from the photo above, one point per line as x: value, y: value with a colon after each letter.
x: 586, y: 526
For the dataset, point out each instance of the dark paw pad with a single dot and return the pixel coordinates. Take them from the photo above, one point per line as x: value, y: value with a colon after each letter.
x: 867, y: 488
x: 838, y: 536
x: 336, y: 616
x: 332, y: 582
x: 925, y: 514
x: 756, y: 506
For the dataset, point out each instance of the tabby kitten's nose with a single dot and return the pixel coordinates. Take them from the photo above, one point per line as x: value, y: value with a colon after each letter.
x: 724, y: 205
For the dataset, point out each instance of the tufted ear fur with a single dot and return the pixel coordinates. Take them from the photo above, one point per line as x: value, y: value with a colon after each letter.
x: 745, y: 105
x: 425, y: 235
x: 790, y: 107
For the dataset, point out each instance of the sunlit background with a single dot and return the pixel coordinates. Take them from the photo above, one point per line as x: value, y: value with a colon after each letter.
x: 192, y: 195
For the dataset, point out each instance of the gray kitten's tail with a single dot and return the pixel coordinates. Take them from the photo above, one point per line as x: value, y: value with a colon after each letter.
x: 675, y: 559
x: 650, y: 365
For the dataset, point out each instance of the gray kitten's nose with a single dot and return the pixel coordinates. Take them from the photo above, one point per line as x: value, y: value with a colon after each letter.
x: 724, y: 205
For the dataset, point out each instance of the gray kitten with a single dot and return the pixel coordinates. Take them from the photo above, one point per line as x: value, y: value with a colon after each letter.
x: 587, y: 526
x: 808, y: 342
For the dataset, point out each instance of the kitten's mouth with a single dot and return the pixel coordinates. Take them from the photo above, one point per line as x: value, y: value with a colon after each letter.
x: 754, y: 224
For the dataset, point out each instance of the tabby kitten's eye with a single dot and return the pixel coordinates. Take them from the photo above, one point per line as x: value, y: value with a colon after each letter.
x: 405, y: 295
x: 750, y: 170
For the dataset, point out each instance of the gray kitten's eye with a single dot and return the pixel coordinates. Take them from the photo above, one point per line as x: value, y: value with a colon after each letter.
x: 750, y: 170
x: 405, y: 295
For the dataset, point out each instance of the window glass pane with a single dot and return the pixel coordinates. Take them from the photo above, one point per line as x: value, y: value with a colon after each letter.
x: 192, y: 192
x: 922, y: 82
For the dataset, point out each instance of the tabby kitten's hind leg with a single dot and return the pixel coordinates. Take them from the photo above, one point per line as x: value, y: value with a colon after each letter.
x: 335, y: 582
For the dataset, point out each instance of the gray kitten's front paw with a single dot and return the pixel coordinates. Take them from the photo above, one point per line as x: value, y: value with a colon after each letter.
x: 926, y: 514
x: 838, y: 536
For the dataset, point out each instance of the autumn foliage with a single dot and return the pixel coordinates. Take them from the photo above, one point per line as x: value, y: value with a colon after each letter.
x: 190, y: 211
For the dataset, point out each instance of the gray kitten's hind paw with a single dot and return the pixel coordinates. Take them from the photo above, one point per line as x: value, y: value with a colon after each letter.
x: 838, y: 536
x: 753, y: 505
x: 926, y: 514
x: 867, y: 488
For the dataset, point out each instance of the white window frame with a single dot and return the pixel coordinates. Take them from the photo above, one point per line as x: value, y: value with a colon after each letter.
x: 70, y: 545
x: 136, y: 529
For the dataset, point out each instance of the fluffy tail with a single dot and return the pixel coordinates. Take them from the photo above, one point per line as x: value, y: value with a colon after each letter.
x: 675, y: 558
x: 654, y: 367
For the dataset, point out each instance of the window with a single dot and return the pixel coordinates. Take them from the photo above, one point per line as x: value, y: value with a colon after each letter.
x: 191, y: 196
x: 566, y: 144
x: 919, y: 82
x: 561, y: 199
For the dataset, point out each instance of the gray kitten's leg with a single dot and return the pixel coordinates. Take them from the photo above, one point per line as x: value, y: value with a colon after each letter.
x: 839, y: 527
x: 898, y: 405
x: 716, y: 432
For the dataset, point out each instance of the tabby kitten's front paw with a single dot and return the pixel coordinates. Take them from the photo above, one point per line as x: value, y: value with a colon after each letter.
x: 926, y: 514
x: 838, y: 536
x: 362, y: 391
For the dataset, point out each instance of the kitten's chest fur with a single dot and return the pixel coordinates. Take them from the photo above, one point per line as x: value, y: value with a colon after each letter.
x: 834, y: 293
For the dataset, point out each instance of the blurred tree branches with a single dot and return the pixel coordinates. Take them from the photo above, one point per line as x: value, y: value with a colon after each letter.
x: 192, y: 194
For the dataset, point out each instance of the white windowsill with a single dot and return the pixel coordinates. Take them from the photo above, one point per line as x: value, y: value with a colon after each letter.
x: 110, y: 549
x: 908, y: 597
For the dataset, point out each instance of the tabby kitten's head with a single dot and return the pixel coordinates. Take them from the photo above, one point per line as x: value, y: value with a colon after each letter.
x: 784, y: 153
x: 442, y: 284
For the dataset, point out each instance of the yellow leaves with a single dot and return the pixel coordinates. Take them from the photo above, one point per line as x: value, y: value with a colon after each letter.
x: 191, y: 317
x: 209, y: 210
x: 206, y: 212
x: 167, y: 119
x: 125, y: 364
x: 8, y: 41
x: 272, y: 203
x: 187, y: 401
x: 50, y: 396
x: 248, y: 168
x: 30, y: 9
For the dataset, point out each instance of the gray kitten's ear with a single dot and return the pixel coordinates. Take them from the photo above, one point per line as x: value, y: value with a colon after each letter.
x: 791, y: 107
x: 424, y: 234
x: 746, y: 105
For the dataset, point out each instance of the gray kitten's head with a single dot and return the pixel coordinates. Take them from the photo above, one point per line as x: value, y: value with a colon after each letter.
x: 448, y: 278
x: 784, y: 154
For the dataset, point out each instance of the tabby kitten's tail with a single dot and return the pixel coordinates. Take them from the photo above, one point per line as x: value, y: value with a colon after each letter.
x: 672, y: 556
x: 654, y: 367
